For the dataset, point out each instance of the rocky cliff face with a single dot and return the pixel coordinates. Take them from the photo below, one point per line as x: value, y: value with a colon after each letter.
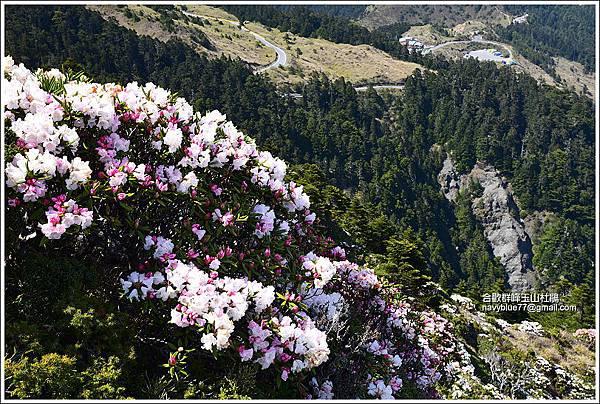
x: 497, y: 211
x: 449, y: 179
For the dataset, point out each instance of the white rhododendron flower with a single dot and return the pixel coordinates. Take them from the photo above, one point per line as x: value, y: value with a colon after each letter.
x: 266, y: 222
x: 173, y: 139
x: 321, y: 268
x: 16, y: 172
x: 80, y: 172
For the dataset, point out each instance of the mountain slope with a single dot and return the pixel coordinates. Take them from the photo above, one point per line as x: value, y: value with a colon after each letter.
x: 360, y: 64
x: 444, y: 15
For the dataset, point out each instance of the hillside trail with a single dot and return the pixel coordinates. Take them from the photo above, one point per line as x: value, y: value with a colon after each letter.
x: 476, y: 39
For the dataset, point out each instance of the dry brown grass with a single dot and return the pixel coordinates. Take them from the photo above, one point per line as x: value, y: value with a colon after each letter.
x: 533, y: 70
x: 215, y: 12
x: 446, y: 15
x: 226, y: 39
x: 427, y: 34
x: 574, y: 356
x: 230, y: 41
x: 467, y: 28
x: 358, y: 64
x: 563, y: 349
x: 574, y: 76
x: 147, y: 24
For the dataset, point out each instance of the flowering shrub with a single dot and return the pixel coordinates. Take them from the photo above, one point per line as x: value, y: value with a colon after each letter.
x: 531, y: 327
x: 463, y: 302
x: 586, y: 335
x: 214, y: 235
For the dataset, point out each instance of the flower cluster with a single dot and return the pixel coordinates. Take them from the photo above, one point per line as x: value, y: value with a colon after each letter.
x: 140, y: 286
x: 213, y: 304
x: 531, y: 327
x: 586, y: 334
x: 64, y: 214
x: 412, y: 350
x: 378, y: 389
x: 320, y: 268
x: 324, y: 391
x: 296, y: 344
x: 57, y: 150
x: 163, y: 248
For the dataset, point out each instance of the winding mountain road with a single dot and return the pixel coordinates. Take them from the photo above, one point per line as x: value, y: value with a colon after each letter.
x: 281, y: 59
x: 474, y: 40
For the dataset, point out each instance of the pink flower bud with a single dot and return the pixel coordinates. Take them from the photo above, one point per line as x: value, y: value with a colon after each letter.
x: 14, y: 202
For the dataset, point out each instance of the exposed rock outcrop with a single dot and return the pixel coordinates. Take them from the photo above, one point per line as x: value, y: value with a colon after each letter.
x: 497, y: 211
x: 450, y: 180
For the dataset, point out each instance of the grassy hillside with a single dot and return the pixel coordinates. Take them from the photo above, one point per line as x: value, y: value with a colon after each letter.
x: 359, y: 64
x: 555, y: 45
x: 429, y: 34
x: 225, y: 39
x: 356, y: 63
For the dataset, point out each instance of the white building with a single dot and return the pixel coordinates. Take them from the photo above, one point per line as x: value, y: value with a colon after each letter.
x: 411, y: 43
x: 520, y: 20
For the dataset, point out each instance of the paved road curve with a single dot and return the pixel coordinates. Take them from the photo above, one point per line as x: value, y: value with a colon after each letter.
x: 474, y: 40
x: 358, y: 89
x: 281, y: 55
x: 380, y: 86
